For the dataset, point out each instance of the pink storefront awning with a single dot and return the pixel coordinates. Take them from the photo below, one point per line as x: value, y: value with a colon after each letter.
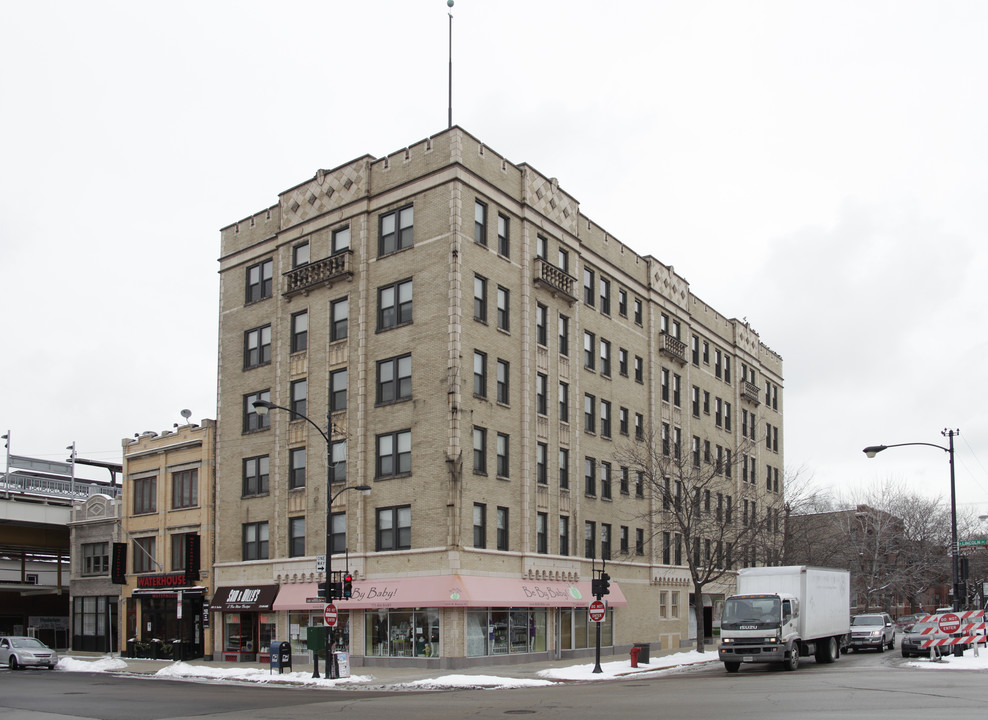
x: 452, y: 591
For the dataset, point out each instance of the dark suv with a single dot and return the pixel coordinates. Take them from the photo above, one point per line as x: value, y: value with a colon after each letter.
x: 872, y: 630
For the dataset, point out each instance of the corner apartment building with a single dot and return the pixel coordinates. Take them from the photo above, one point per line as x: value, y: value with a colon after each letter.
x: 167, y: 528
x: 463, y: 340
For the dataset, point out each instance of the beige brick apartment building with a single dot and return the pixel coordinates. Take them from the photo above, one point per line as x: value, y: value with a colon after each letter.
x: 477, y: 351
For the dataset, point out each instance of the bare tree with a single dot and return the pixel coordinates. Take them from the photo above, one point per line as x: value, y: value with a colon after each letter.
x: 803, y: 542
x: 709, y: 527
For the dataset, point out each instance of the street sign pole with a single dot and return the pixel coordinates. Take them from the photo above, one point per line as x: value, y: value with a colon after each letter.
x: 597, y: 612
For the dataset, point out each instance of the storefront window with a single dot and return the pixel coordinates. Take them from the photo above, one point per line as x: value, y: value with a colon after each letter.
x: 298, y: 627
x: 502, y: 632
x: 577, y: 631
x: 402, y: 633
x: 266, y: 631
x: 231, y: 622
x: 341, y: 631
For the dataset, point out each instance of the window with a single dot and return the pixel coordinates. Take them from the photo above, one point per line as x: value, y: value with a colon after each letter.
x: 144, y: 552
x: 300, y: 254
x: 340, y: 316
x: 541, y: 247
x: 541, y: 320
x: 563, y: 535
x: 480, y: 222
x: 503, y: 237
x: 300, y: 331
x: 178, y: 541
x: 503, y: 309
x: 95, y: 558
x: 503, y: 377
x: 337, y: 537
x: 695, y: 401
x: 256, y: 471
x: 145, y: 495
x: 503, y: 455
x: 677, y: 442
x: 678, y: 551
x: 394, y: 379
x: 338, y: 464
x: 541, y: 464
x: 480, y: 450
x: 479, y: 525
x: 590, y: 477
x: 542, y: 533
x: 695, y: 350
x: 605, y: 480
x: 479, y: 374
x: 639, y: 426
x: 185, y: 488
x: 260, y: 281
x: 394, y: 453
x: 564, y: 468
x: 341, y: 240
x: 623, y: 480
x: 727, y: 416
x: 590, y: 539
x: 563, y: 402
x: 666, y: 553
x: 480, y: 298
x: 394, y: 528
x: 589, y: 413
x: 639, y: 541
x: 296, y: 537
x: 296, y: 468
x: 623, y: 362
x: 589, y: 354
x: 695, y: 448
x: 502, y: 528
x: 605, y: 357
x: 338, y: 381
x: 666, y: 432
x: 605, y: 295
x: 605, y: 418
x: 638, y: 311
x: 623, y: 302
x: 255, y: 541
x: 395, y: 231
x: 664, y: 382
x: 394, y: 305
x: 706, y: 402
x: 623, y: 421
x: 563, y: 260
x: 257, y: 347
x: 677, y: 383
x: 717, y: 364
x: 639, y: 484
x: 639, y: 370
x: 541, y: 389
x: 564, y: 335
x: 298, y: 393
x: 254, y: 420
x: 589, y: 295
x: 605, y: 541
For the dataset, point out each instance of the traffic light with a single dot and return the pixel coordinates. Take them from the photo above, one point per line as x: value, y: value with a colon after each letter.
x: 321, y: 591
x: 336, y: 588
x: 347, y: 586
x: 605, y: 584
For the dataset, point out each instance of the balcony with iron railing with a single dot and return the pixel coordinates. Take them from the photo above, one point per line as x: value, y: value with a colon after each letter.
x: 321, y: 272
x: 749, y: 392
x: 554, y: 279
x: 673, y: 347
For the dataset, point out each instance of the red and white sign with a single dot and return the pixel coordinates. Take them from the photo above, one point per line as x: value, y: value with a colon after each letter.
x: 949, y: 623
x: 597, y: 611
x: 330, y: 614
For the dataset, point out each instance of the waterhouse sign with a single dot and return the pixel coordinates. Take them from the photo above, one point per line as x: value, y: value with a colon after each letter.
x: 157, y: 582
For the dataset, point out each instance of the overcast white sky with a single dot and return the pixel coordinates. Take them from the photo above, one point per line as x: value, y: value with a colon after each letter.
x: 818, y: 168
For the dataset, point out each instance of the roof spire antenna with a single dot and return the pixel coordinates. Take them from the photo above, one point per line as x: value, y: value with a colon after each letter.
x: 449, y: 3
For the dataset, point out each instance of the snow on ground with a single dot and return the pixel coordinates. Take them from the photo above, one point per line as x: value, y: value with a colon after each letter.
x: 949, y: 662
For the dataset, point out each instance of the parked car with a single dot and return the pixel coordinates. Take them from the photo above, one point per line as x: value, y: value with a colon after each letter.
x: 912, y: 645
x: 904, y: 623
x: 872, y: 630
x: 20, y: 652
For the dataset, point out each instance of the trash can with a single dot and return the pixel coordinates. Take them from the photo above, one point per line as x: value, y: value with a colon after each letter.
x: 643, y: 649
x: 281, y: 655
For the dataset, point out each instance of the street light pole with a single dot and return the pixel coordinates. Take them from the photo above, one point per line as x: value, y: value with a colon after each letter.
x: 873, y: 450
x: 263, y: 407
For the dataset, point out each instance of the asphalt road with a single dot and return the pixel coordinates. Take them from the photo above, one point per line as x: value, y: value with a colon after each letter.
x: 860, y: 685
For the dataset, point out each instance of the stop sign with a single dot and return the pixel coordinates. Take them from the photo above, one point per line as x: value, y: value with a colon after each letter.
x: 949, y: 623
x: 597, y: 611
x: 329, y: 614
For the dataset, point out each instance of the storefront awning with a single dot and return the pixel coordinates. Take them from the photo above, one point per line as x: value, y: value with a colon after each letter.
x: 244, y: 598
x: 451, y: 591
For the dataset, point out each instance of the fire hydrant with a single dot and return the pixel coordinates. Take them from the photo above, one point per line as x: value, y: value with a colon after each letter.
x: 634, y: 656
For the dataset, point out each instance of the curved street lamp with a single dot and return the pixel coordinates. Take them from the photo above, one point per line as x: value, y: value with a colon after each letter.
x: 263, y: 407
x: 872, y: 450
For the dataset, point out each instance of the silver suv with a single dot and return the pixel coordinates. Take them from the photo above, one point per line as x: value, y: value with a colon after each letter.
x: 872, y: 630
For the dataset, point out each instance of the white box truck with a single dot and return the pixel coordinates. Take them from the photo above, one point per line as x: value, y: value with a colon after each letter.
x: 783, y: 613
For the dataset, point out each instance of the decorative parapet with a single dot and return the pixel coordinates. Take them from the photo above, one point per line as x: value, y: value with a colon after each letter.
x: 321, y: 272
